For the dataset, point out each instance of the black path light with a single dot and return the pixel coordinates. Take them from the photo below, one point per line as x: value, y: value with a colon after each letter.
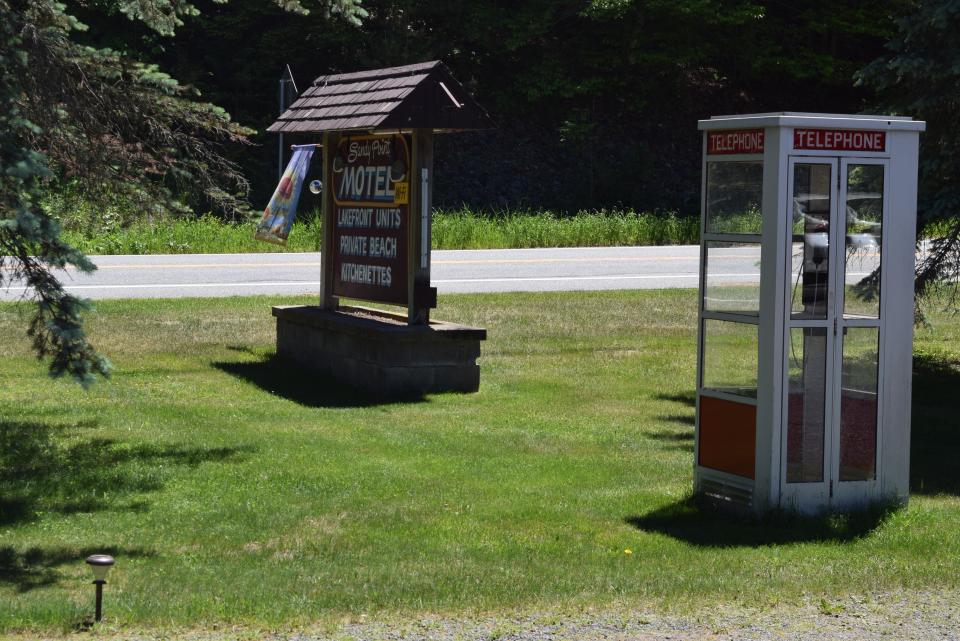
x: 100, y: 564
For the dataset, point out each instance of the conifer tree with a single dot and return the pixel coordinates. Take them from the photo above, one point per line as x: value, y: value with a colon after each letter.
x: 920, y: 77
x: 112, y: 130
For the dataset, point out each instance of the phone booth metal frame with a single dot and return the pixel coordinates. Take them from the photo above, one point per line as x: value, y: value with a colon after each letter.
x: 806, y: 310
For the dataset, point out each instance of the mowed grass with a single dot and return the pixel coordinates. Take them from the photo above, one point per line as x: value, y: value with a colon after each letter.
x: 232, y: 488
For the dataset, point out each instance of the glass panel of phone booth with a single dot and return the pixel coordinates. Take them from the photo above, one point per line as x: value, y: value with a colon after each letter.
x: 863, y: 222
x: 809, y: 362
x: 732, y: 277
x: 806, y: 404
x: 857, y: 410
x: 730, y: 357
x: 810, y: 249
x: 858, y: 404
x: 734, y: 195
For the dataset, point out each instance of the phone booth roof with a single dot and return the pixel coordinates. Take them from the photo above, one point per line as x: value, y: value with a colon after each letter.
x: 811, y: 120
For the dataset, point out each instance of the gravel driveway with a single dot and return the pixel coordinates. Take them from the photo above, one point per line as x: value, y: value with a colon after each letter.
x: 920, y: 616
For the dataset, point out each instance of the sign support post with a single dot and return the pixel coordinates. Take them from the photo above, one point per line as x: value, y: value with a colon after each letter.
x: 421, y: 297
x: 331, y: 140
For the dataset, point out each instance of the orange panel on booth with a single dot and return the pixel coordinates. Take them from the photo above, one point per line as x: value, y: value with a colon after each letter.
x: 727, y: 436
x: 806, y: 310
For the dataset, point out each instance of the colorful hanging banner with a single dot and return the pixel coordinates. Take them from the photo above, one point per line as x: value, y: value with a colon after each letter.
x: 278, y: 217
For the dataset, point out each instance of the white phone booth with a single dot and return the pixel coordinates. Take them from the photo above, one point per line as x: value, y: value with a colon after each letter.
x: 806, y: 310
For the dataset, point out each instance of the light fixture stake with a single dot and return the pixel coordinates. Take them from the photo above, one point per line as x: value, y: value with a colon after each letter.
x: 100, y: 564
x: 98, y: 615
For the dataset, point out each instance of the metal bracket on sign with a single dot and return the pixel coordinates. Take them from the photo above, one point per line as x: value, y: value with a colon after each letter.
x: 424, y: 219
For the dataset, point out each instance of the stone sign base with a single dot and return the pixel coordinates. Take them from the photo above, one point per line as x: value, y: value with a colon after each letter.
x: 378, y: 351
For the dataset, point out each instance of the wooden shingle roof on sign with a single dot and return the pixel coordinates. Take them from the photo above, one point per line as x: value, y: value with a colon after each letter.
x: 423, y: 95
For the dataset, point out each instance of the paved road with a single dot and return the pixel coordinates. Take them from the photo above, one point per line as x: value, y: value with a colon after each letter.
x: 453, y: 271
x: 462, y: 271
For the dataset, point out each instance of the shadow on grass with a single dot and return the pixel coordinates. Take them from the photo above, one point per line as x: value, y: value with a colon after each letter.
x: 682, y: 440
x: 295, y: 383
x: 674, y: 440
x: 935, y: 425
x: 38, y: 567
x: 688, y: 399
x: 704, y: 526
x: 44, y: 471
x: 687, y: 420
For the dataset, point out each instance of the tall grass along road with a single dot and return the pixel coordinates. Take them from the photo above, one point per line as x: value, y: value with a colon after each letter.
x: 459, y: 229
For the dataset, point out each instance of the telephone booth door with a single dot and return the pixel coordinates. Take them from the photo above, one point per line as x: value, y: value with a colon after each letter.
x: 834, y: 310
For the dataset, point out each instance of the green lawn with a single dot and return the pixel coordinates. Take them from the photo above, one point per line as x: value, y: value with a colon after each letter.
x: 232, y: 488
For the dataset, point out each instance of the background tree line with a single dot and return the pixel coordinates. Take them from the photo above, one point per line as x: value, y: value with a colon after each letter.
x: 596, y: 101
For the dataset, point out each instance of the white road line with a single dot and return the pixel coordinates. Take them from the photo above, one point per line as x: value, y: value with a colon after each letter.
x: 597, y: 259
x: 197, y: 265
x: 451, y: 281
x: 755, y: 278
x: 439, y: 261
x: 317, y: 283
x: 523, y: 279
x: 175, y: 285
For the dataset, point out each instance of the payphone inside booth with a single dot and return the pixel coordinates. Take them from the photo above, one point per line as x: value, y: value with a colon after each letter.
x: 806, y: 310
